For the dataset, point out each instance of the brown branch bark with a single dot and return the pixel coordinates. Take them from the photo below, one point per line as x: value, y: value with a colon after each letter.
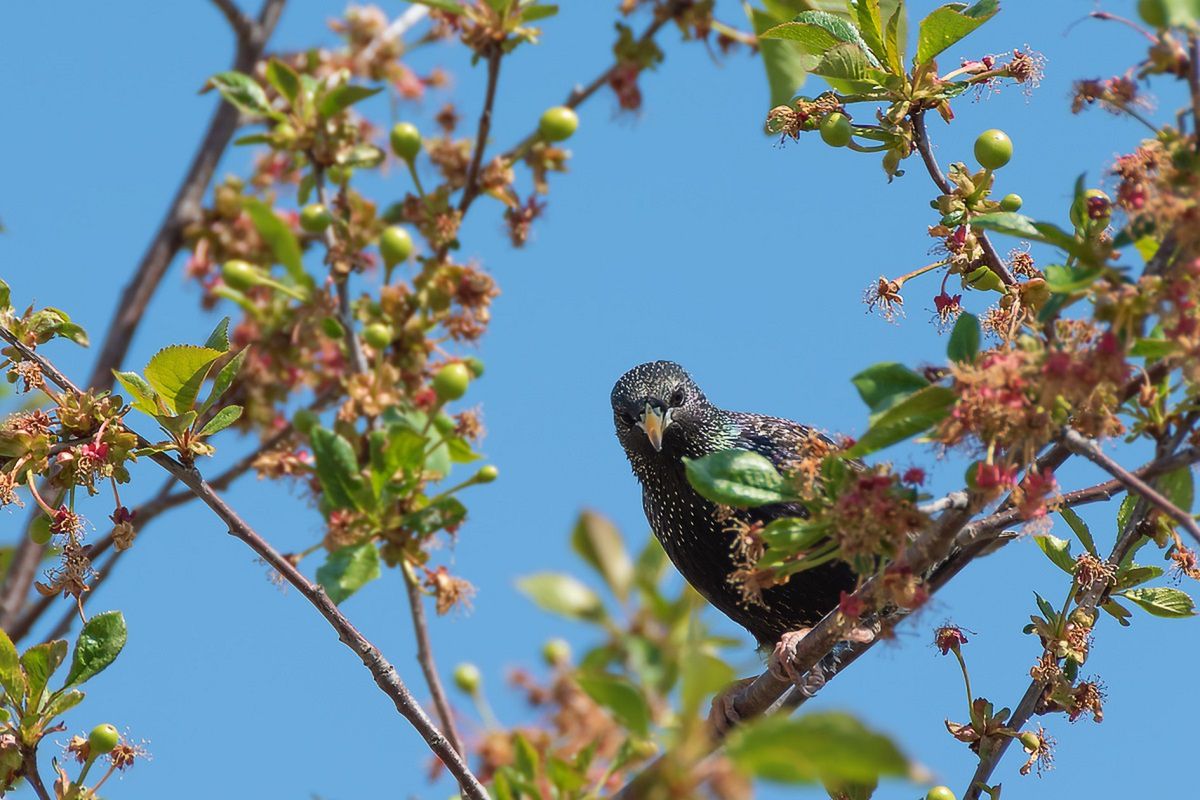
x: 30, y: 770
x: 925, y: 148
x: 341, y: 282
x: 136, y: 296
x: 428, y: 664
x: 385, y: 675
x: 471, y: 189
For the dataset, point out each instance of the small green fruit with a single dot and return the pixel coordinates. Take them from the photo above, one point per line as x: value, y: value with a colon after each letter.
x: 305, y: 420
x: 556, y: 652
x: 558, y: 123
x: 240, y: 275
x: 451, y: 381
x: 378, y: 335
x: 39, y: 530
x: 487, y: 473
x: 475, y: 364
x: 836, y: 130
x: 283, y: 135
x: 985, y: 280
x: 103, y: 739
x: 1031, y: 741
x: 1153, y: 13
x: 406, y: 140
x: 940, y: 793
x: 993, y: 149
x: 1011, y: 202
x: 467, y: 678
x: 315, y: 218
x: 332, y: 328
x: 395, y: 245
x: 340, y: 174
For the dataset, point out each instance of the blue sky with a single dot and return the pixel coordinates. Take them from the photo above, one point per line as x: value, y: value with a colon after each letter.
x: 679, y: 233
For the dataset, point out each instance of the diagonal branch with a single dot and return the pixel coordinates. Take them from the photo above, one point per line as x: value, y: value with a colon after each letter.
x: 471, y: 190
x: 425, y: 658
x: 385, y: 675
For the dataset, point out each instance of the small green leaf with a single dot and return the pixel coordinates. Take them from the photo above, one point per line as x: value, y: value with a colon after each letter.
x: 536, y: 11
x: 949, y: 24
x: 882, y: 386
x: 1062, y: 279
x: 177, y: 372
x: 222, y: 420
x: 702, y: 675
x: 100, y: 642
x: 176, y: 424
x: 444, y: 513
x: 365, y: 156
x: 342, y: 97
x: 39, y: 663
x: 1153, y: 349
x: 219, y: 338
x: 1021, y: 226
x: 964, y: 339
x: 738, y: 478
x: 225, y: 378
x: 62, y: 702
x: 1057, y: 550
x: 12, y: 677
x: 870, y: 27
x: 562, y: 595
x: 145, y: 399
x: 911, y: 416
x: 279, y: 237
x: 849, y: 68
x: 820, y: 747
x: 598, y: 542
x: 243, y: 92
x: 348, y: 569
x: 1080, y: 528
x: 1162, y: 601
x: 337, y: 468
x: 620, y: 697
x: 1178, y: 487
x: 786, y: 64
x: 284, y: 79
x: 1136, y: 574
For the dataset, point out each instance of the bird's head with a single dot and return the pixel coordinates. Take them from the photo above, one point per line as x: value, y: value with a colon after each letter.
x: 659, y: 411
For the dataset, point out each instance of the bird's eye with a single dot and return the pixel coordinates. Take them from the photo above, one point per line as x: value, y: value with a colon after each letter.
x: 677, y: 397
x: 627, y: 418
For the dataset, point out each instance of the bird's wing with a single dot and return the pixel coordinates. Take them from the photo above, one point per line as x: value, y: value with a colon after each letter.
x: 783, y: 442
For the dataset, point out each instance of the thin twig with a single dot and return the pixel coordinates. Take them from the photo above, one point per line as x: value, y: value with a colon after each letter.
x: 925, y: 148
x: 1194, y: 85
x: 243, y: 28
x: 471, y: 189
x: 341, y: 282
x: 425, y: 658
x: 135, y: 297
x: 1080, y: 444
x: 385, y: 675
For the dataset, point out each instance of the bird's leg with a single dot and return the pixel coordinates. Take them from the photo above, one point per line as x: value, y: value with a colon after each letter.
x: 722, y: 717
x: 782, y: 660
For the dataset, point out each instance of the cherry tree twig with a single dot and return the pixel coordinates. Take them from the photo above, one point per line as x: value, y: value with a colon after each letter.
x: 251, y: 40
x: 471, y: 189
x: 384, y: 673
x: 428, y: 664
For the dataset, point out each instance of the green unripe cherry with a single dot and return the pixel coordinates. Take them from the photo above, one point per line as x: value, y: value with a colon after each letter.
x: 406, y: 140
x: 378, y: 335
x: 340, y: 174
x: 558, y: 123
x: 1079, y: 208
x: 1011, y: 202
x: 1153, y: 12
x: 315, y: 218
x: 475, y: 364
x: 239, y: 274
x: 305, y: 420
x: 467, y: 678
x: 103, y: 739
x: 940, y: 793
x: 395, y: 245
x: 836, y: 129
x: 451, y: 381
x: 39, y: 531
x: 556, y: 652
x: 1031, y: 741
x: 993, y: 149
x: 487, y: 473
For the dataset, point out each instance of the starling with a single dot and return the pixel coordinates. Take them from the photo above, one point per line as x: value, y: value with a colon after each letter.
x: 661, y: 417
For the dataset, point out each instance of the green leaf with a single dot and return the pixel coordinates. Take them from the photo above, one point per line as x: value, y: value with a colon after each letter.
x: 949, y: 24
x: 222, y: 420
x: 12, y: 677
x: 620, y: 697
x: 1125, y: 510
x: 348, y: 569
x: 536, y: 11
x: 1057, y: 550
x: 1013, y: 224
x: 914, y: 414
x: 363, y: 155
x: 964, y: 339
x: 1154, y: 349
x: 817, y: 32
x: 5, y: 295
x: 225, y: 378
x: 444, y: 513
x: 738, y: 478
x: 786, y: 64
x: 279, y: 237
x: 219, y: 338
x: 39, y: 663
x: 100, y: 642
x: 176, y: 424
x: 1162, y: 601
x: 563, y: 595
x: 145, y: 399
x: 62, y: 702
x: 895, y: 37
x: 1067, y: 280
x: 1080, y: 528
x: 1182, y: 13
x: 598, y: 542
x: 284, y: 79
x: 337, y: 468
x: 870, y: 27
x: 883, y: 385
x: 820, y: 747
x: 243, y: 92
x: 342, y: 97
x: 849, y: 68
x: 1137, y: 574
x: 794, y: 534
x: 177, y: 372
x: 702, y: 674
x: 1178, y: 487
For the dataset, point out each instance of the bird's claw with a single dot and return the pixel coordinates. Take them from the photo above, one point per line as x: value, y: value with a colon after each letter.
x: 722, y: 716
x: 782, y: 663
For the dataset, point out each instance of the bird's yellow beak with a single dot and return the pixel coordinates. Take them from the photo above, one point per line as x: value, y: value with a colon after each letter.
x: 654, y: 423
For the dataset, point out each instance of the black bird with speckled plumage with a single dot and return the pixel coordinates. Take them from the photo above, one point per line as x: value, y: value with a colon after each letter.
x: 662, y: 416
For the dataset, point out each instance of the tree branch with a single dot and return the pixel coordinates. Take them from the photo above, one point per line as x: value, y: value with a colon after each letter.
x: 341, y: 282
x: 471, y: 190
x: 428, y: 664
x: 921, y: 139
x: 30, y: 770
x: 385, y: 675
x: 243, y: 28
x: 136, y: 296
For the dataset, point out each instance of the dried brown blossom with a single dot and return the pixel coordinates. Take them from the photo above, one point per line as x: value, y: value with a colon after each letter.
x: 448, y: 590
